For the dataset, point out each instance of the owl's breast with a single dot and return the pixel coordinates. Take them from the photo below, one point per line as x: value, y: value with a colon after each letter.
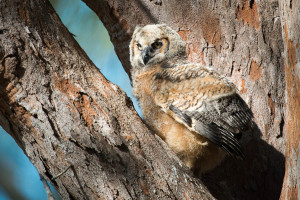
x: 145, y: 89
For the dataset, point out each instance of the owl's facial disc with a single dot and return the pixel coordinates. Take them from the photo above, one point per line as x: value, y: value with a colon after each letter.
x: 153, y: 52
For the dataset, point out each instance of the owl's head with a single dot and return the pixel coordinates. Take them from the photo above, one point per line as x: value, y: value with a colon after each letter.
x: 154, y: 44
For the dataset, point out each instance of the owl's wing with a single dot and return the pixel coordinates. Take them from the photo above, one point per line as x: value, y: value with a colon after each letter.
x: 219, y: 118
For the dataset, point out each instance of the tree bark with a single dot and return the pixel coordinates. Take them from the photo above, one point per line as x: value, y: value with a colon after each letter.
x: 62, y: 111
x: 290, y: 23
x: 64, y: 114
x: 256, y: 45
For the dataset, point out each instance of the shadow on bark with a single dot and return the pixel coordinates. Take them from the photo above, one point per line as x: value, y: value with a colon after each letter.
x: 259, y: 176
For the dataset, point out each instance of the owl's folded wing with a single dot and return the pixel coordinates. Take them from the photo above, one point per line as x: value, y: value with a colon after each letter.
x: 220, y: 120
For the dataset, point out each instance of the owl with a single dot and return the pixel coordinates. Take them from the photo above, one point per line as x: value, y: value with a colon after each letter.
x: 196, y: 111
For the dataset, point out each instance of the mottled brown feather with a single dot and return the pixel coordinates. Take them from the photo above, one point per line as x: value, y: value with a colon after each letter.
x: 192, y: 108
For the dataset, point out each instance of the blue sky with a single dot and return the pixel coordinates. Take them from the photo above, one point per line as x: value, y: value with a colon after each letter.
x: 94, y: 39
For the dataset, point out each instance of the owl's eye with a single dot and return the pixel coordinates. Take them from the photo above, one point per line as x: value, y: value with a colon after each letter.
x: 156, y: 45
x: 139, y: 46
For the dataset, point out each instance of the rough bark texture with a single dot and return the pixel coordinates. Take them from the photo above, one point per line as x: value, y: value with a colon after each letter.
x: 256, y: 45
x: 290, y: 23
x: 63, y: 112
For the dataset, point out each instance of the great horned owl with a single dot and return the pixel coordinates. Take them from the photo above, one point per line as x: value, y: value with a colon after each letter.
x: 197, y: 112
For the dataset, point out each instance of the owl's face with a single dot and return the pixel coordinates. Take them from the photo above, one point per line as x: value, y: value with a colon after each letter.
x: 154, y: 44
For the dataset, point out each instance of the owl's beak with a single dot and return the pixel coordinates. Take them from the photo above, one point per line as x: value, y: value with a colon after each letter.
x: 146, y: 55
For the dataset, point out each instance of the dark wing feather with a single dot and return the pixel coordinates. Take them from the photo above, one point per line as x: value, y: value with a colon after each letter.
x: 220, y: 121
x: 230, y: 112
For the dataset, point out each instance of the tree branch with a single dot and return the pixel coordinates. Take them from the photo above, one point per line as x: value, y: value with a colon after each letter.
x: 240, y: 40
x: 60, y: 109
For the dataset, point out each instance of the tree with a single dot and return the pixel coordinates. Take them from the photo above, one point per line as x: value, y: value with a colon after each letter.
x: 64, y: 114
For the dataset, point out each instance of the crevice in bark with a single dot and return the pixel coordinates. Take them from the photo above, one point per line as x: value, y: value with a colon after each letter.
x: 251, y: 3
x: 71, y: 196
x: 53, y: 127
x: 281, y: 127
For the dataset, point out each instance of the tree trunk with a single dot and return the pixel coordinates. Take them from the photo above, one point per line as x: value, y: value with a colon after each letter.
x: 290, y: 23
x: 62, y: 111
x: 256, y: 45
x: 64, y: 114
